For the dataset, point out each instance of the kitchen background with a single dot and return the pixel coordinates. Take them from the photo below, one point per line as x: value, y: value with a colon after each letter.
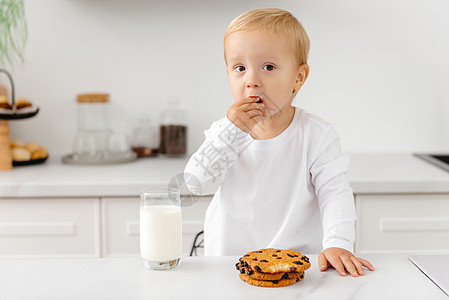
x: 379, y: 69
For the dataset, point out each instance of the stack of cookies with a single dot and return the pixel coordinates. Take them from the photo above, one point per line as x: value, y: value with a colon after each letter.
x: 272, y: 267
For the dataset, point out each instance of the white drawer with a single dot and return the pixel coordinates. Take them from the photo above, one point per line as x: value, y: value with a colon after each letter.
x: 65, y: 227
x: 402, y: 223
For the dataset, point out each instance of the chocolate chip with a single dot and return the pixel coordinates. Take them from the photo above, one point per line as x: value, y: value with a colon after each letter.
x: 242, y: 270
x: 263, y: 260
x: 297, y: 279
x: 255, y: 259
x: 289, y: 255
x: 285, y: 276
x: 259, y: 251
x: 274, y: 255
x: 246, y: 255
x: 298, y: 262
x: 250, y: 272
x: 301, y: 276
x: 278, y: 251
x: 305, y: 258
x: 258, y: 269
x: 237, y: 266
x: 275, y: 281
x: 278, y: 257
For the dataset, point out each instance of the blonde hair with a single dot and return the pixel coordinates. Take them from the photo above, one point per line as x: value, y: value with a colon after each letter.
x: 274, y: 21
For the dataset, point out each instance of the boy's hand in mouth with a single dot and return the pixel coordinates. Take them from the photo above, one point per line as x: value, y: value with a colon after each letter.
x: 246, y: 113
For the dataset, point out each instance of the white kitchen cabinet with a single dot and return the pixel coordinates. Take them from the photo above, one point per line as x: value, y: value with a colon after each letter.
x: 55, y: 227
x: 120, y: 225
x: 402, y: 223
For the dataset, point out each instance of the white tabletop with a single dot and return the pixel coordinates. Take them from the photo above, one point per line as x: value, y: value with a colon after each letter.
x: 203, y: 278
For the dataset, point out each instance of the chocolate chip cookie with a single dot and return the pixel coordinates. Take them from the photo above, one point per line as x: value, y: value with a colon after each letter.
x: 272, y: 267
x: 268, y: 283
x: 276, y: 260
x: 246, y: 269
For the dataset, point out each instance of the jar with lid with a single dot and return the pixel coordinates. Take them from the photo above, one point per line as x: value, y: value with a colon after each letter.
x: 144, y: 139
x: 173, y: 130
x: 93, y: 125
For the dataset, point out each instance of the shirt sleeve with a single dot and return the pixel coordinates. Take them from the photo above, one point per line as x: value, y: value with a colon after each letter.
x: 208, y: 165
x: 335, y: 196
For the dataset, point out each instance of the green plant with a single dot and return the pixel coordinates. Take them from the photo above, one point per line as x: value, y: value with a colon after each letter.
x: 13, y: 31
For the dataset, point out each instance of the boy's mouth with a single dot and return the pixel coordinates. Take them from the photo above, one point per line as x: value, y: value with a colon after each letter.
x: 258, y: 101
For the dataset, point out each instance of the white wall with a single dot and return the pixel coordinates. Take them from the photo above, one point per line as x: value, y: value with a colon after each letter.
x: 379, y: 69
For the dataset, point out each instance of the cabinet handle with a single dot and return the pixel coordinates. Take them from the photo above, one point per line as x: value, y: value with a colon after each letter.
x: 11, y: 229
x: 413, y: 224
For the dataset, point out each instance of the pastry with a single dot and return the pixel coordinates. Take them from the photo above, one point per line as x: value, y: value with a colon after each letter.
x: 22, y: 103
x: 272, y: 267
x: 275, y: 261
x: 41, y: 152
x: 5, y: 106
x: 17, y: 144
x: 3, y: 99
x: 20, y: 154
x: 4, y: 102
x: 268, y: 283
x: 31, y: 146
x: 267, y: 276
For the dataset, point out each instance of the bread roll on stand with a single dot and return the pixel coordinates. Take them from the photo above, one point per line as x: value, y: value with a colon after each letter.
x: 5, y: 151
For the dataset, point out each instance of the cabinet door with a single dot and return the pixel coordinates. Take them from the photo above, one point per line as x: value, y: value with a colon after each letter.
x: 67, y: 227
x: 402, y: 223
x: 120, y: 225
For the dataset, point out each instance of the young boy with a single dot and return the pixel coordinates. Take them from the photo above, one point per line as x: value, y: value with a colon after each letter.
x: 277, y: 172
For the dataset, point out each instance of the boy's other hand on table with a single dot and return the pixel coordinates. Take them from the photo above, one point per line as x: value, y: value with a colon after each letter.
x: 342, y: 260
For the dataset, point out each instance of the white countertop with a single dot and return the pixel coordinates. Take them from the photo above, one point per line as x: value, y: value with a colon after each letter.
x: 203, y: 278
x: 368, y: 174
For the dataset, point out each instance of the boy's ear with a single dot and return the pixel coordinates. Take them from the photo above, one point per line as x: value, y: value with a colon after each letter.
x: 303, y: 73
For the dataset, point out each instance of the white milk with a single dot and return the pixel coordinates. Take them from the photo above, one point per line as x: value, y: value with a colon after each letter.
x: 160, y: 232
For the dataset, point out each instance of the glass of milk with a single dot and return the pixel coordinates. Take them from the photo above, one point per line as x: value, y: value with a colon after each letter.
x: 160, y: 228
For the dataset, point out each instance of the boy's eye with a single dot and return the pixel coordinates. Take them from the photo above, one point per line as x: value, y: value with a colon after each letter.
x: 268, y: 67
x: 240, y: 68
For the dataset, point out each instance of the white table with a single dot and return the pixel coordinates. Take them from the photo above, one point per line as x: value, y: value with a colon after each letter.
x: 203, y: 278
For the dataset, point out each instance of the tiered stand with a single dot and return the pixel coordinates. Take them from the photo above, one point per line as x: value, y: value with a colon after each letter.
x: 5, y: 151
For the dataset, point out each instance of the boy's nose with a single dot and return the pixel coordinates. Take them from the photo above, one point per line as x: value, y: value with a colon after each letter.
x: 252, y: 85
x: 252, y: 80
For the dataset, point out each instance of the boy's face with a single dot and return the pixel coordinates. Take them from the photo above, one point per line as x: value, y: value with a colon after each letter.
x: 263, y: 65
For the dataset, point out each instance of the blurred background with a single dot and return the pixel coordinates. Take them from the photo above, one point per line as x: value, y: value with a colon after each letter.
x: 379, y: 69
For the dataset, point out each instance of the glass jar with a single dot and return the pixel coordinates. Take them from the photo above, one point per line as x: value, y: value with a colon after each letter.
x: 93, y: 125
x: 173, y: 130
x: 144, y: 140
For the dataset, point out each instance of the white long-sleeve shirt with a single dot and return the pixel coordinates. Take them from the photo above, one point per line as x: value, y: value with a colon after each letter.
x: 288, y: 192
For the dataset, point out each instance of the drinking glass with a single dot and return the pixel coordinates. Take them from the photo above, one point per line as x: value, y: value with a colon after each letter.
x: 160, y: 228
